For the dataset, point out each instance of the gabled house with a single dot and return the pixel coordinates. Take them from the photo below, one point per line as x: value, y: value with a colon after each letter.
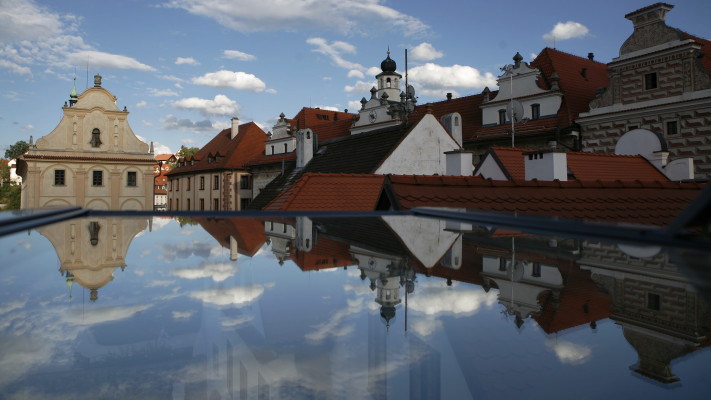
x: 92, y: 159
x: 160, y: 189
x: 215, y: 178
x: 542, y: 99
x: 501, y: 163
x: 660, y: 85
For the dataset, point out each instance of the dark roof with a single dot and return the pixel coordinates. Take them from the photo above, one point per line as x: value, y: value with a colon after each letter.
x: 467, y: 107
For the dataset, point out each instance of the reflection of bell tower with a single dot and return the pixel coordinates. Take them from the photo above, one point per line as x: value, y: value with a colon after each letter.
x: 89, y: 250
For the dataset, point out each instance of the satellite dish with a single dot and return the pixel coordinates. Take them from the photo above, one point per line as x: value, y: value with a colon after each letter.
x: 514, y: 111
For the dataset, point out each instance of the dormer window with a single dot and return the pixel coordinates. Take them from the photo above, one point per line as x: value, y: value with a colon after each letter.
x: 535, y: 111
x: 502, y: 117
x: 95, y: 138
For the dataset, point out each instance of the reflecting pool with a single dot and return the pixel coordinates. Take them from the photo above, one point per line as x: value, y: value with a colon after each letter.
x: 301, y: 307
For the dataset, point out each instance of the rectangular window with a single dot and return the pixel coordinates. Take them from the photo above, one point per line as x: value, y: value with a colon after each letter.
x: 536, y: 272
x: 202, y: 183
x: 245, y: 182
x: 502, y: 264
x: 59, y: 177
x: 244, y: 203
x: 202, y: 204
x: 672, y: 128
x: 650, y: 81
x: 131, y: 178
x: 188, y: 205
x: 653, y: 301
x: 215, y: 204
x: 535, y: 111
x: 97, y: 178
x: 216, y: 182
x: 188, y: 189
x: 170, y: 185
x: 502, y: 117
x: 177, y: 185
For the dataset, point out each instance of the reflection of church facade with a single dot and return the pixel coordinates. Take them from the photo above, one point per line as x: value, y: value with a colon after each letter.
x: 92, y: 159
x: 90, y: 250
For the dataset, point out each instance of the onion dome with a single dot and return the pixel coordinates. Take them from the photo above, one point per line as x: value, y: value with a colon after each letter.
x: 388, y: 65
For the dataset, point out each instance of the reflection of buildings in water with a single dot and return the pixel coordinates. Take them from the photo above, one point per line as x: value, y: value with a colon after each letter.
x: 239, y: 235
x: 89, y: 250
x: 661, y: 313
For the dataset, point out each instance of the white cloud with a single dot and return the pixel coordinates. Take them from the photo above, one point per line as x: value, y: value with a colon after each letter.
x: 334, y: 51
x: 162, y: 92
x: 236, y: 321
x: 218, y: 272
x: 337, y: 325
x: 16, y: 68
x: 146, y: 123
x: 183, y: 314
x: 360, y: 87
x: 533, y: 56
x: 569, y: 353
x: 354, y: 106
x: 354, y: 73
x: 159, y: 148
x: 141, y: 103
x: 171, y: 78
x: 23, y: 20
x: 228, y: 79
x: 27, y: 128
x: 425, y: 52
x: 436, y: 80
x: 220, y: 105
x: 238, y: 55
x: 567, y: 30
x: 103, y: 314
x: 186, y: 60
x: 327, y: 78
x: 342, y: 16
x: 329, y: 108
x: 237, y: 296
x: 434, y: 300
x: 171, y: 122
x: 102, y: 60
x: 270, y: 91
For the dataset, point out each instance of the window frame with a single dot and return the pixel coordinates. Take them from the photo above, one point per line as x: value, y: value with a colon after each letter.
x: 535, y: 111
x: 95, y: 138
x: 651, y: 81
x: 97, y: 175
x: 202, y: 183
x: 502, y: 116
x: 129, y: 181
x: 668, y: 124
x: 60, y: 175
x: 216, y: 182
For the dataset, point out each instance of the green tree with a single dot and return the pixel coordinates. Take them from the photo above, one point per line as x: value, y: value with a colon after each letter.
x: 187, y: 151
x: 17, y: 149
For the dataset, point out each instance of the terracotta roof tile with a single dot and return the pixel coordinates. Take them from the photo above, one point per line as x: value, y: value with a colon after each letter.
x: 331, y: 192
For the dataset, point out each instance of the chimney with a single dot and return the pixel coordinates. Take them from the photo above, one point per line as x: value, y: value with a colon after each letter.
x: 546, y: 166
x: 305, y: 144
x: 453, y: 124
x: 235, y: 127
x: 233, y: 249
x: 649, y: 15
x: 591, y: 56
x: 459, y: 163
x: 449, y: 96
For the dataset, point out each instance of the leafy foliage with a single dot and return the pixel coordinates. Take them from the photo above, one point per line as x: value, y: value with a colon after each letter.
x: 17, y: 149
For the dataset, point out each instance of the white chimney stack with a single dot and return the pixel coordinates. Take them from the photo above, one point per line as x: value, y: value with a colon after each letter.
x: 459, y: 163
x: 546, y: 166
x: 235, y: 127
x: 305, y: 140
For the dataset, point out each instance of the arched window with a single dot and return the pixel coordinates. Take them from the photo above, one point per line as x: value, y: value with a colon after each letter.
x: 95, y: 138
x: 456, y: 121
x: 388, y: 83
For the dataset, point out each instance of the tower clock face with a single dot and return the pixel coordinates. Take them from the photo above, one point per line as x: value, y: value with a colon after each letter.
x: 373, y: 116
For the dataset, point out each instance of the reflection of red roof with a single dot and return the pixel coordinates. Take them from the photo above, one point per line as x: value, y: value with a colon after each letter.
x: 249, y: 233
x: 330, y: 192
x: 326, y: 253
x: 650, y: 203
x: 585, y: 166
x: 234, y: 153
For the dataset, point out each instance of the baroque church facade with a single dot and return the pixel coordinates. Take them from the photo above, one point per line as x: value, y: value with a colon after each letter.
x: 92, y: 159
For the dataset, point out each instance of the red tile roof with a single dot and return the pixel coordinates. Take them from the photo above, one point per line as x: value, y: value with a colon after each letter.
x: 164, y: 157
x: 314, y: 117
x: 585, y: 166
x: 467, y: 107
x: 313, y: 192
x: 578, y: 87
x: 649, y: 203
x: 234, y: 153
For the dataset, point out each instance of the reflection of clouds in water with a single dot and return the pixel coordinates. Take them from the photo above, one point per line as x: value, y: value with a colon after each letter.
x: 425, y: 326
x: 156, y: 283
x: 185, y: 250
x: 238, y: 296
x: 432, y: 298
x: 217, y: 271
x: 336, y: 325
x: 103, y: 314
x: 20, y: 353
x: 570, y: 353
x: 236, y: 321
x: 161, y: 222
x: 266, y: 252
x: 183, y: 314
x: 145, y: 253
x: 24, y: 243
x: 13, y: 305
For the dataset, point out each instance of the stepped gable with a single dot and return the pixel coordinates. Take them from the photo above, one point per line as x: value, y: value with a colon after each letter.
x: 330, y: 192
x: 231, y: 153
x: 648, y: 203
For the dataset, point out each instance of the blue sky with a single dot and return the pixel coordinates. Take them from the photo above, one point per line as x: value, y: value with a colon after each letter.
x: 184, y: 68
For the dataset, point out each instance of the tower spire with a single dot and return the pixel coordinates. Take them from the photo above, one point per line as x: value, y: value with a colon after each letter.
x: 73, y: 95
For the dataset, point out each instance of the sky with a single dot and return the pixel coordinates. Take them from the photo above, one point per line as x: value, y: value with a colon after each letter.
x: 184, y: 68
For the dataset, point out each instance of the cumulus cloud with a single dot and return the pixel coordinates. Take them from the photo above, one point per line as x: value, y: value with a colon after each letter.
x: 183, y: 314
x: 27, y: 128
x: 103, y: 314
x: 184, y: 249
x: 342, y: 16
x: 329, y: 108
x: 434, y: 300
x: 567, y: 30
x: 220, y: 105
x: 186, y: 60
x: 335, y: 51
x: 354, y: 73
x: 160, y: 148
x: 354, y: 105
x: 218, y: 272
x: 162, y: 92
x: 100, y: 59
x: 235, y: 296
x: 171, y: 122
x: 570, y: 353
x: 436, y: 80
x: 425, y: 52
x: 224, y: 79
x: 141, y: 103
x: 238, y: 55
x: 360, y: 87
